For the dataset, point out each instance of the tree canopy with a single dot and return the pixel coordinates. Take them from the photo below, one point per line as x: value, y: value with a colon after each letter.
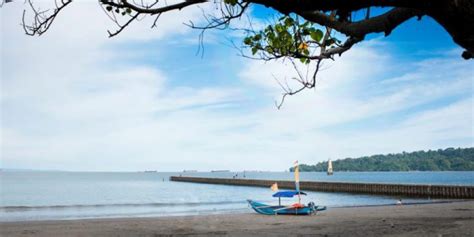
x: 450, y: 159
x: 307, y: 32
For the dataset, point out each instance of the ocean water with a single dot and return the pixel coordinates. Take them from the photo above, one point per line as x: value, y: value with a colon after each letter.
x: 79, y: 195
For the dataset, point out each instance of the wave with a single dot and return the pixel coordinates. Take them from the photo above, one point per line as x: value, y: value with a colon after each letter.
x: 107, y: 205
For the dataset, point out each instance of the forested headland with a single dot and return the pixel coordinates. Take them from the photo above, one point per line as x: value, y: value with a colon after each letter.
x: 450, y: 159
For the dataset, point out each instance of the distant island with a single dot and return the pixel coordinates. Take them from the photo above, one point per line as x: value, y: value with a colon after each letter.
x: 450, y: 159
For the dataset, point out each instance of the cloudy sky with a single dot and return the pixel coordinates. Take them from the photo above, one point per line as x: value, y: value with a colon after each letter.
x: 74, y: 99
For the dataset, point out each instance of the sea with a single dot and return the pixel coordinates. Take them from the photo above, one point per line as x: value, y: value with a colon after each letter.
x: 35, y: 195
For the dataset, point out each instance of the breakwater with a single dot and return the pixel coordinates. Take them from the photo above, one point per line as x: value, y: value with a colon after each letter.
x: 408, y: 190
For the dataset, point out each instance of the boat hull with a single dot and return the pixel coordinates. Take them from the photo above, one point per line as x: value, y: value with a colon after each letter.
x: 283, y: 210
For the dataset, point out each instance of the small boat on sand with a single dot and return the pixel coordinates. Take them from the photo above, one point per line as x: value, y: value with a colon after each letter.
x: 294, y: 209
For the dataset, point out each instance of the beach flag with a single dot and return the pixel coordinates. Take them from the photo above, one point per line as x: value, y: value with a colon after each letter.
x: 274, y: 187
x: 297, y: 176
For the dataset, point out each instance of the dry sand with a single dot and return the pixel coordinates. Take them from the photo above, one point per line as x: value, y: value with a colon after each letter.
x: 446, y: 219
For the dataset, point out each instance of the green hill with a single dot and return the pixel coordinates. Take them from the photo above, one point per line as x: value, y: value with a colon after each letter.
x: 450, y: 159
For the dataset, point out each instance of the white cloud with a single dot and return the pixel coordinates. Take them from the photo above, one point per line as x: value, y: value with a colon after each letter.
x: 71, y: 100
x: 356, y: 90
x: 65, y: 98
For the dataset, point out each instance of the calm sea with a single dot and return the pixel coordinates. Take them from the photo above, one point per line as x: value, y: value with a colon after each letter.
x: 77, y: 195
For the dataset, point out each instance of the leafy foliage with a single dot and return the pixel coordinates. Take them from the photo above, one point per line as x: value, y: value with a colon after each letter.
x: 231, y: 2
x: 118, y: 10
x: 289, y: 37
x: 450, y: 159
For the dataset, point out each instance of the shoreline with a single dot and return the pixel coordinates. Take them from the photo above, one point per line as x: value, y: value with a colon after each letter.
x: 454, y: 218
x: 246, y: 210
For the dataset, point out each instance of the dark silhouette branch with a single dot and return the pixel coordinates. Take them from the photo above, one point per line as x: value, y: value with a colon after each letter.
x: 124, y: 4
x: 456, y: 16
x: 122, y: 27
x: 305, y: 84
x: 384, y: 23
x: 42, y: 21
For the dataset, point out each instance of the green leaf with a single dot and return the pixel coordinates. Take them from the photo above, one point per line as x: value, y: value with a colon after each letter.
x: 304, y: 25
x: 247, y: 41
x: 329, y: 41
x: 128, y: 10
x: 257, y: 37
x: 279, y: 28
x: 303, y: 60
x: 269, y: 49
x: 254, y: 50
x: 231, y: 2
x: 316, y: 35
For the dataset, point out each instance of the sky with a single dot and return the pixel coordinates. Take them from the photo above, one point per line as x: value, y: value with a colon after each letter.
x: 74, y: 99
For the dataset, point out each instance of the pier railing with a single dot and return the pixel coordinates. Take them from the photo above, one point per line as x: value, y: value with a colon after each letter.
x: 414, y: 190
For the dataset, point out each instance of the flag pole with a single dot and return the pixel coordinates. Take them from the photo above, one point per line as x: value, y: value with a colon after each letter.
x: 297, y: 181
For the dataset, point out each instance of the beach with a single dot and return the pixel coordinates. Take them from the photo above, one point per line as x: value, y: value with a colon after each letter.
x: 436, y: 219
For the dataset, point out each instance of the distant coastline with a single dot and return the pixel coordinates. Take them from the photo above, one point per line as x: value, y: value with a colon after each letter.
x: 450, y: 159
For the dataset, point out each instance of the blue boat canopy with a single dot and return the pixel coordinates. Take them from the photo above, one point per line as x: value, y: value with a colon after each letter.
x: 288, y: 194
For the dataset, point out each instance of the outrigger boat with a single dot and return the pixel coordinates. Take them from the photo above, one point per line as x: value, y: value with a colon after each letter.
x: 294, y: 209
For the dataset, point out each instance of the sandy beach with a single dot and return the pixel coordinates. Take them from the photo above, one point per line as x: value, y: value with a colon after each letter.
x: 439, y: 219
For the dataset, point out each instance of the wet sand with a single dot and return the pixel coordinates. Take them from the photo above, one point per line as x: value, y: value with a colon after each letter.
x: 441, y: 219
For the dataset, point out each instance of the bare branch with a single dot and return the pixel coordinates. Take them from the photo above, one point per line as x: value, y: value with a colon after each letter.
x: 305, y: 84
x: 123, y: 26
x: 42, y: 21
x: 123, y: 4
x: 156, y: 19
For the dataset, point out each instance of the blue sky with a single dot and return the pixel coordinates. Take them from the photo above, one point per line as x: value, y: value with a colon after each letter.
x: 75, y: 100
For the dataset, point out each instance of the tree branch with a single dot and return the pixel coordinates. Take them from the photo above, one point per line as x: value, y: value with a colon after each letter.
x: 42, y: 22
x: 152, y: 11
x: 383, y: 23
x: 341, y: 49
x: 286, y: 6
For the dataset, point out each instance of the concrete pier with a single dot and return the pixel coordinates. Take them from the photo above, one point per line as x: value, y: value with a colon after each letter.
x: 406, y: 190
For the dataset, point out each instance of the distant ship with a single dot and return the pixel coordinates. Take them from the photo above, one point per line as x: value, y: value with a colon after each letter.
x: 190, y: 171
x: 330, y: 167
x: 215, y: 171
